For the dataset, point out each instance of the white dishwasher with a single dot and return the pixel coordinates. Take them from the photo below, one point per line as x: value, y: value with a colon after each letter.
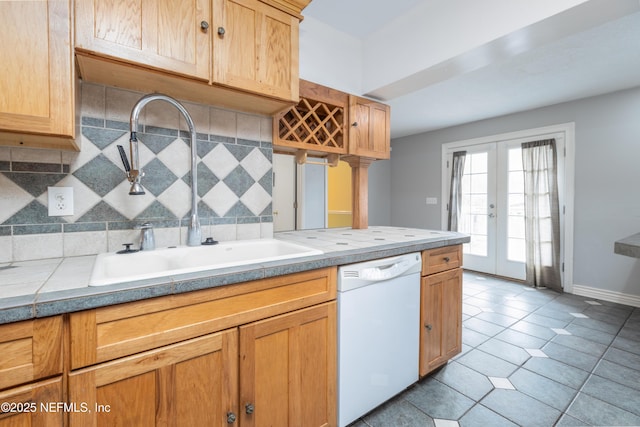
x: 378, y: 332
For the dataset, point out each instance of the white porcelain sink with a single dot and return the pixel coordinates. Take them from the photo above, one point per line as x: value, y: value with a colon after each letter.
x: 110, y: 268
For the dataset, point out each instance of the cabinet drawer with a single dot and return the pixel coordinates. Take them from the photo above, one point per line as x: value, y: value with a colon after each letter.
x: 30, y: 350
x: 111, y: 332
x: 441, y: 259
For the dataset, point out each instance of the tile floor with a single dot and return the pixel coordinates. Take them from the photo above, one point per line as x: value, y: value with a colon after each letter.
x: 530, y: 358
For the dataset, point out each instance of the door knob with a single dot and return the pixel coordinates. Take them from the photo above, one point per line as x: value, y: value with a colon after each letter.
x: 491, y: 215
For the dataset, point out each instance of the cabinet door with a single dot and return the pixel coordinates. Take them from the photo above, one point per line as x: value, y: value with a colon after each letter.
x: 192, y: 383
x: 162, y: 34
x: 33, y: 405
x: 441, y: 318
x: 255, y: 48
x: 30, y: 350
x: 369, y: 134
x: 36, y: 68
x: 288, y: 369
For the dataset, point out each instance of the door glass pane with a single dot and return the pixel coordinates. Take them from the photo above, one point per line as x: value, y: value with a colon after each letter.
x: 474, y: 212
x: 515, y: 225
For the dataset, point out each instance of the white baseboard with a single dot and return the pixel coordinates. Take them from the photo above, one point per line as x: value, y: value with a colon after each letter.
x: 611, y: 296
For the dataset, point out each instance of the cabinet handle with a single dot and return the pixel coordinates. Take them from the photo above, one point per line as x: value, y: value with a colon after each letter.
x: 204, y: 25
x: 429, y: 327
x: 231, y: 418
x: 221, y: 31
x: 446, y: 259
x: 248, y: 408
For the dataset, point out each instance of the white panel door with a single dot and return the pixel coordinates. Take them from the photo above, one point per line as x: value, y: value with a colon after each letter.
x: 493, y: 209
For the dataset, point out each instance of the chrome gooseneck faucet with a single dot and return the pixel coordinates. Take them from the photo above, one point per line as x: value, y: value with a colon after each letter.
x: 135, y: 174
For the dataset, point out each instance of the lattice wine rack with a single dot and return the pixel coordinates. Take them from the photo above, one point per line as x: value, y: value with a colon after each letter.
x: 318, y: 123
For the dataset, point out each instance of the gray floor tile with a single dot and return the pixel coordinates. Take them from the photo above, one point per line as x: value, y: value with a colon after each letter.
x: 631, y: 332
x: 470, y: 310
x: 505, y: 351
x: 624, y: 358
x: 626, y: 344
x: 590, y: 334
x: 557, y: 371
x: 497, y: 318
x: 552, y: 313
x: 580, y: 344
x: 545, y: 321
x: 487, y: 364
x: 521, y: 409
x: 522, y: 305
x: 510, y: 311
x: 598, y: 325
x: 618, y: 373
x: 595, y: 412
x: 552, y: 393
x: 438, y: 400
x: 520, y: 339
x: 483, y: 327
x: 473, y: 338
x: 611, y: 392
x: 569, y: 421
x: 465, y: 380
x: 398, y: 412
x: 570, y: 356
x: 480, y: 416
x: 532, y: 329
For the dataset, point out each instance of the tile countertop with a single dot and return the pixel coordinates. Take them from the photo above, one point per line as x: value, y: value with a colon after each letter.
x: 54, y: 286
x: 629, y: 246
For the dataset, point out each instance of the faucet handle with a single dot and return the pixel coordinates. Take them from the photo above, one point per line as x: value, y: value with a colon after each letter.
x: 143, y: 226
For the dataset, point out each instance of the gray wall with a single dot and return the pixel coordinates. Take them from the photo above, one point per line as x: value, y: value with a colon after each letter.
x: 607, y: 178
x: 379, y: 191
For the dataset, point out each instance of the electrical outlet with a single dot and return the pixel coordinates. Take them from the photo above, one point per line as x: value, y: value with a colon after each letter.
x: 60, y: 201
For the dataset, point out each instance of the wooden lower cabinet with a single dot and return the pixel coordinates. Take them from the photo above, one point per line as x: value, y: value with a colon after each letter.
x: 33, y: 405
x: 280, y: 371
x: 441, y: 319
x: 192, y: 383
x: 288, y: 369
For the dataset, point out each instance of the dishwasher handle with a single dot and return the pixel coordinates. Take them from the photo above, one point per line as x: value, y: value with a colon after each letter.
x: 388, y: 271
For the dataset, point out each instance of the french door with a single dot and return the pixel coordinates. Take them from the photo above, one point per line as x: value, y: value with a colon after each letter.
x: 492, y: 210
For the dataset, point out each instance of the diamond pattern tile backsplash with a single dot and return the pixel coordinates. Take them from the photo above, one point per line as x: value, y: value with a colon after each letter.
x: 234, y: 175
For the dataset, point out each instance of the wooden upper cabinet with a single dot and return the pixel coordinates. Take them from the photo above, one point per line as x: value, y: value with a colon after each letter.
x: 255, y: 48
x: 37, y: 101
x: 369, y: 132
x: 162, y: 34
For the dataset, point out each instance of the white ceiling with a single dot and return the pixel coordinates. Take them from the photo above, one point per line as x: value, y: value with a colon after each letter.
x: 583, y: 52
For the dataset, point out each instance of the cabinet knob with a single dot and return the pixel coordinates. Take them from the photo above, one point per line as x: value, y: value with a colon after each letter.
x: 248, y: 408
x: 231, y: 418
x: 204, y: 25
x: 354, y: 124
x: 429, y: 327
x: 221, y: 31
x: 446, y: 259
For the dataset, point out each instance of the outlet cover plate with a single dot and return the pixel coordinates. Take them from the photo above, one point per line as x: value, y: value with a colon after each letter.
x: 60, y: 201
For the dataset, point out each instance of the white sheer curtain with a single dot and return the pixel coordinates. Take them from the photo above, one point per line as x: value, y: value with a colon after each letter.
x: 542, y: 216
x: 455, y: 192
